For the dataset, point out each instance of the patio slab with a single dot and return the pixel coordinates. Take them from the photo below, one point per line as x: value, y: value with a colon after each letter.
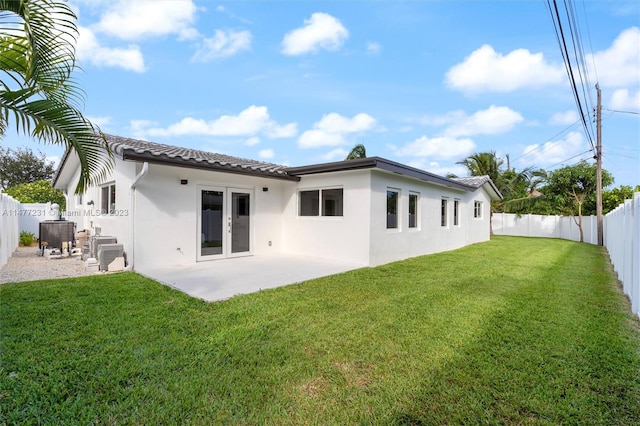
x: 221, y: 279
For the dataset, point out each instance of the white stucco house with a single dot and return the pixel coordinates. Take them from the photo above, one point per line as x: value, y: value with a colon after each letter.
x: 169, y: 205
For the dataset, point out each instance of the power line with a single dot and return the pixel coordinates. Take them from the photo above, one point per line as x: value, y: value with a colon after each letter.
x: 549, y: 140
x: 571, y: 158
x: 593, y: 58
x: 564, y: 50
x: 623, y: 112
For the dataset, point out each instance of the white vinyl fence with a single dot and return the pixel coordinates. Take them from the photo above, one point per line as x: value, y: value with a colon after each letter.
x: 32, y: 214
x: 621, y: 238
x: 533, y: 225
x: 9, y: 227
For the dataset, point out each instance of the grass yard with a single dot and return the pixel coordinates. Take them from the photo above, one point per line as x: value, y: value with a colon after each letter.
x: 512, y: 331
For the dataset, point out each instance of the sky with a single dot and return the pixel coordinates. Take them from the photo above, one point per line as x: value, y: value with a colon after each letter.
x: 423, y: 83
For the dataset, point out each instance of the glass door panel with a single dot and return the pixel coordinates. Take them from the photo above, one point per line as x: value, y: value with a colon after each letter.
x: 211, y: 223
x: 240, y: 222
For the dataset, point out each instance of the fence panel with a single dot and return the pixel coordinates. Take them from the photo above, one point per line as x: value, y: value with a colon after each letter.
x: 32, y: 214
x: 9, y: 227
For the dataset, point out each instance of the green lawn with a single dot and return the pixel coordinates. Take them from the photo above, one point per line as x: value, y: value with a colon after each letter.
x: 512, y: 331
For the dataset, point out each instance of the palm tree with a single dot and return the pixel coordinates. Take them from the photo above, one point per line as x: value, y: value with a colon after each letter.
x: 484, y: 164
x: 358, y: 151
x: 37, y: 91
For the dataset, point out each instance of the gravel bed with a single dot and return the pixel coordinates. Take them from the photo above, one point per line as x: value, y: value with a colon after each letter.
x: 26, y: 264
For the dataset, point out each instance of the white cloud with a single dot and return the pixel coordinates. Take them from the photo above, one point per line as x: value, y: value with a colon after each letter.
x: 275, y: 131
x: 436, y: 168
x: 250, y: 122
x: 491, y: 121
x: 315, y: 138
x: 336, y: 123
x: 266, y: 153
x: 442, y: 120
x: 100, y: 121
x: 222, y: 45
x: 565, y: 118
x: 134, y: 20
x: 332, y: 129
x: 55, y: 159
x: 321, y: 31
x: 373, y: 48
x: 138, y: 127
x: 619, y: 65
x: 442, y: 148
x: 623, y: 100
x: 335, y: 154
x: 486, y: 70
x: 89, y: 49
x: 553, y: 152
x: 252, y: 141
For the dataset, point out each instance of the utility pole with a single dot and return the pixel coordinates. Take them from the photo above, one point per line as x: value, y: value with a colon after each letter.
x: 599, y: 168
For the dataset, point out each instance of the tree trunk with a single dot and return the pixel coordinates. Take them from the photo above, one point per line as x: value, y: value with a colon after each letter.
x: 580, y: 222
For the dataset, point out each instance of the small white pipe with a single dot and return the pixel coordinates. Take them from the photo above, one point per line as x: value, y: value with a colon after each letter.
x: 136, y: 180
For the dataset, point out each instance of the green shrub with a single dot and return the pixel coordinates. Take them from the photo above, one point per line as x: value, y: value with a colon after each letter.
x: 27, y: 238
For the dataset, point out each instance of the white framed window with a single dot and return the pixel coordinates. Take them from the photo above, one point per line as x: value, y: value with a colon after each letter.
x: 456, y: 212
x: 477, y: 209
x: 444, y: 207
x: 414, y: 199
x: 108, y: 198
x: 393, y: 198
x: 314, y: 202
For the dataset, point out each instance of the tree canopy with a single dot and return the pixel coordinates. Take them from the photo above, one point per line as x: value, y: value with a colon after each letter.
x: 22, y: 165
x: 616, y: 196
x: 358, y: 151
x: 38, y: 192
x: 510, y: 182
x: 37, y: 92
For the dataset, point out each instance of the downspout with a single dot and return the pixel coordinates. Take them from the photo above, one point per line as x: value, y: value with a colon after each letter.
x: 134, y: 184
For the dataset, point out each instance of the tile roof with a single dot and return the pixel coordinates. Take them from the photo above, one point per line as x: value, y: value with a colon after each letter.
x: 477, y: 182
x: 134, y: 149
x: 139, y: 150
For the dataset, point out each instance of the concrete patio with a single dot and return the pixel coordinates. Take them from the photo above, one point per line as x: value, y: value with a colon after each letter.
x: 221, y: 279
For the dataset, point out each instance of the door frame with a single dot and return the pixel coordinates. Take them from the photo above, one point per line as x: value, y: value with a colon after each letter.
x: 227, y: 229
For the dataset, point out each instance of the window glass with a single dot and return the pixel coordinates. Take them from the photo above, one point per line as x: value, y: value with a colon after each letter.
x: 443, y: 212
x: 112, y: 198
x: 332, y: 202
x: 108, y: 199
x: 309, y: 203
x: 104, y: 200
x: 477, y: 209
x: 392, y: 209
x: 456, y: 216
x: 413, y: 210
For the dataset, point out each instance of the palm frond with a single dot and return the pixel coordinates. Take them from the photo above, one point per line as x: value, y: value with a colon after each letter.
x: 37, y: 91
x: 52, y: 122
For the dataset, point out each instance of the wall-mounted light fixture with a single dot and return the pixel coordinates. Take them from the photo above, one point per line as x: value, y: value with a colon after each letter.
x: 184, y: 181
x: 90, y: 203
x: 265, y: 189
